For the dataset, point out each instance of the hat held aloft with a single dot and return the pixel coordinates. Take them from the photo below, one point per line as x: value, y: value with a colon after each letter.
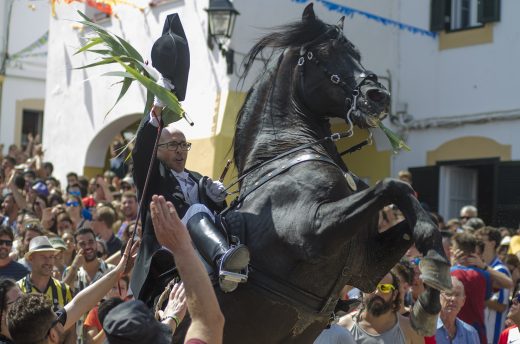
x: 171, y: 57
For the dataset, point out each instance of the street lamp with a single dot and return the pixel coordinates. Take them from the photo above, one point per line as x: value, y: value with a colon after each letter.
x: 221, y: 22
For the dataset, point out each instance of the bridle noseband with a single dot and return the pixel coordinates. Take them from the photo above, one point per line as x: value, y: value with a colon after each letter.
x: 307, y: 55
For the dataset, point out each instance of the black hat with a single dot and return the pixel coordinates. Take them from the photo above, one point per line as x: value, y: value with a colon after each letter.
x: 171, y: 55
x: 133, y: 322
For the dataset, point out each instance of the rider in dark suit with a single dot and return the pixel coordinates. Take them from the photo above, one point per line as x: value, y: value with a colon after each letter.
x: 170, y: 179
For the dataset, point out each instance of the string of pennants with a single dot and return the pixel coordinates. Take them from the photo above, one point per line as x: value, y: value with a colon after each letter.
x: 104, y: 6
x: 26, y: 52
x: 350, y: 12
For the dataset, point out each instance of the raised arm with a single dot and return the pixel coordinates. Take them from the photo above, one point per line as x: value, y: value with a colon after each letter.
x: 17, y: 195
x: 207, y: 322
x: 90, y: 296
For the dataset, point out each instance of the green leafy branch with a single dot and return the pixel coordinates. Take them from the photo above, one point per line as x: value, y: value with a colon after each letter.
x: 395, y: 140
x: 114, y: 49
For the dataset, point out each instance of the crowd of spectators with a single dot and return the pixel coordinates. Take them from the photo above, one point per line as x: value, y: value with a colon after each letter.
x: 482, y: 306
x: 66, y: 261
x: 65, y: 265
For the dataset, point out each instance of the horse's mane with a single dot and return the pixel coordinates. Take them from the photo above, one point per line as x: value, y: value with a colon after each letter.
x: 308, y: 32
x: 294, y: 34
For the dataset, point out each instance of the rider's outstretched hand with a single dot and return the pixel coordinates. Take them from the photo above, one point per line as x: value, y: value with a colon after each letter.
x: 216, y: 191
x: 169, y: 230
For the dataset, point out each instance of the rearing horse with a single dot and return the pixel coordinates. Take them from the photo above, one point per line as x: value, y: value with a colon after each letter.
x: 310, y: 224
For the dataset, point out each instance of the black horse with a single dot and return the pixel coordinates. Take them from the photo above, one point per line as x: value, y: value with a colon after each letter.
x: 310, y: 224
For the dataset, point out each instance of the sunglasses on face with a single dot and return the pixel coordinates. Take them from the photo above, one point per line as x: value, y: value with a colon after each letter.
x: 8, y: 243
x: 385, y: 288
x: 72, y: 204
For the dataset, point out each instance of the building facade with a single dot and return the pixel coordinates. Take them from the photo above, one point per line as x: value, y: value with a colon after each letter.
x: 451, y: 71
x: 24, y: 28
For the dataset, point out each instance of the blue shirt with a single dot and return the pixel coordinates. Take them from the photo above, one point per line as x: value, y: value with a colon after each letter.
x: 14, y: 270
x: 465, y: 334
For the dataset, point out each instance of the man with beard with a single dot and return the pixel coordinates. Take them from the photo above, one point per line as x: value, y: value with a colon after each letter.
x: 8, y: 267
x: 40, y: 281
x: 378, y: 320
x: 86, y: 268
x: 31, y: 319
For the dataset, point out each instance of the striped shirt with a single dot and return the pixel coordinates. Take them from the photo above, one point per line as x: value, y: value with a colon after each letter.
x: 59, y: 293
x: 495, y: 320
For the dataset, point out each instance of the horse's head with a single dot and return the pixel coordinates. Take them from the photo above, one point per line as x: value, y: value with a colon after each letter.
x: 316, y: 75
x: 331, y: 80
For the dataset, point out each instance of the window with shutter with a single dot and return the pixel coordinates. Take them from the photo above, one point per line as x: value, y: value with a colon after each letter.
x: 455, y: 15
x: 508, y: 194
x: 488, y: 11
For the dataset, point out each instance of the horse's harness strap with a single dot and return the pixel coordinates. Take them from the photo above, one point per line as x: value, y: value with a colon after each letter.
x: 285, y: 166
x: 333, y: 137
x: 290, y: 293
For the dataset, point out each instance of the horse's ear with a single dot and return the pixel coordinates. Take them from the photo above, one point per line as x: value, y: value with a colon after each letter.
x: 340, y: 23
x: 308, y: 12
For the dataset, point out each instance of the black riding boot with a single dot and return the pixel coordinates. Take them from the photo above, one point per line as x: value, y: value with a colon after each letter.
x: 214, y: 248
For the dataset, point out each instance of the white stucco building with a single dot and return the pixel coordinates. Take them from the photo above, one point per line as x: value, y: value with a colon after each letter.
x: 24, y: 28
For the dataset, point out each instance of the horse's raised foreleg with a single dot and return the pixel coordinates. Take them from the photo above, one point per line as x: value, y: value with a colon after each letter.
x: 353, y: 212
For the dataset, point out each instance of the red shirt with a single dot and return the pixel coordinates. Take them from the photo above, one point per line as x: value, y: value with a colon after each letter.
x: 477, y: 286
x: 92, y: 319
x: 509, y: 335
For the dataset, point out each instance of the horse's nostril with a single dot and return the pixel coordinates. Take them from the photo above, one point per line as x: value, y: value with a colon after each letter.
x: 376, y: 95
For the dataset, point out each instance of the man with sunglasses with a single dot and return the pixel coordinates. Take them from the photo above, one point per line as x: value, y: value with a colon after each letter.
x: 467, y: 212
x: 511, y: 334
x: 8, y: 267
x: 378, y: 319
x: 194, y: 202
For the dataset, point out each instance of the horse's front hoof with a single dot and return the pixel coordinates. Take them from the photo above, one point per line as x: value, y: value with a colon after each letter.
x: 424, y: 323
x: 435, y: 273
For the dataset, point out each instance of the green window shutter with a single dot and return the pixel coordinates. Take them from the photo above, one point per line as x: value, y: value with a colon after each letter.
x: 488, y: 11
x: 438, y: 15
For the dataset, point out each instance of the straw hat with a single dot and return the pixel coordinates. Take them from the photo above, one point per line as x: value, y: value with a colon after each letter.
x: 40, y: 244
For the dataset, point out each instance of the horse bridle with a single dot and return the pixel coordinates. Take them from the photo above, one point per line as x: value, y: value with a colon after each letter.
x: 306, y: 54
